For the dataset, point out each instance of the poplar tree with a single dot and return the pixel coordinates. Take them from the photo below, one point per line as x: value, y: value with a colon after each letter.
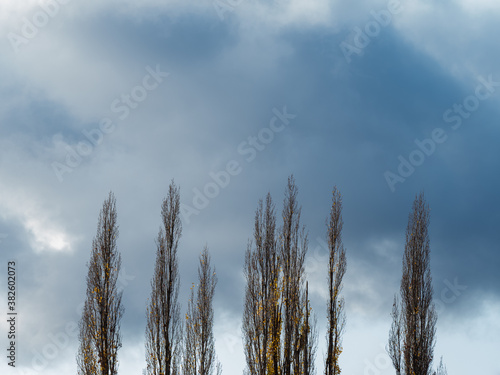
x: 262, y: 311
x: 336, y: 269
x: 411, y: 338
x: 292, y: 253
x: 99, y: 326
x: 309, y: 337
x: 199, y: 353
x: 163, y: 327
x: 279, y: 331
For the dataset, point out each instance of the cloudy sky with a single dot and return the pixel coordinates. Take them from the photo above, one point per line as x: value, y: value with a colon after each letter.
x: 381, y: 98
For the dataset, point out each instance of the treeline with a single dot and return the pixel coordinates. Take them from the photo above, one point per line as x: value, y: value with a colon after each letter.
x: 279, y: 327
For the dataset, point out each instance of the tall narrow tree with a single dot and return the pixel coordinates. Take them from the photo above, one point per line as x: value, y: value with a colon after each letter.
x: 278, y: 327
x: 309, y: 336
x: 100, y: 336
x: 394, y: 347
x: 292, y: 253
x: 199, y: 353
x: 411, y: 339
x: 336, y: 270
x: 164, y: 329
x: 262, y: 312
x: 87, y: 360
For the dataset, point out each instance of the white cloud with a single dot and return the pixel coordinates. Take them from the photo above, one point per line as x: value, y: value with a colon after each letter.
x: 44, y: 233
x: 278, y: 14
x: 480, y: 6
x: 228, y: 342
x: 471, y: 337
x: 173, y: 136
x: 25, y: 204
x: 453, y: 34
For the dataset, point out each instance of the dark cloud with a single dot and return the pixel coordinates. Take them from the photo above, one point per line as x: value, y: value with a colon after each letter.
x: 227, y: 82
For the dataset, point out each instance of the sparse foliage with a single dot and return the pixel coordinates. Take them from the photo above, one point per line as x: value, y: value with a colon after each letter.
x: 279, y: 327
x: 293, y: 247
x: 309, y: 337
x: 411, y: 339
x: 279, y: 332
x: 99, y: 335
x: 164, y: 326
x: 199, y: 353
x: 336, y: 269
x: 394, y: 347
x: 262, y: 312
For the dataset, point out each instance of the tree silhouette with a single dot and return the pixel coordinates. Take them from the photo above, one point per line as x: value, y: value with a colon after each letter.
x: 262, y: 312
x: 336, y: 270
x: 199, y: 353
x: 99, y: 326
x: 279, y: 332
x: 292, y: 252
x: 411, y: 338
x: 164, y: 329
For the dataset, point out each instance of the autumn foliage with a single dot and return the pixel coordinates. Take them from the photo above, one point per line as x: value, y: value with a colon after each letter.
x: 278, y: 329
x: 279, y: 326
x: 100, y: 336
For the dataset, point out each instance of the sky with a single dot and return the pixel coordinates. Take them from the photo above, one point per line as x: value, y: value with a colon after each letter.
x: 228, y: 98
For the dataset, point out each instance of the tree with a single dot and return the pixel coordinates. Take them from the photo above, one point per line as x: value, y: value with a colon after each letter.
x: 199, y: 353
x: 411, y: 339
x: 309, y: 336
x: 164, y: 329
x: 396, y: 337
x: 99, y: 326
x: 292, y: 253
x: 441, y: 370
x: 336, y: 269
x: 278, y: 329
x: 262, y: 311
x: 87, y: 356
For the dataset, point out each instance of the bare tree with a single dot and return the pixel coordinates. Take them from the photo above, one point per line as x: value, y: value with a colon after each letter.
x: 262, y: 312
x: 292, y: 252
x: 100, y: 336
x: 191, y: 360
x: 164, y: 329
x: 278, y: 327
x: 199, y: 354
x: 414, y: 322
x: 336, y: 269
x: 394, y: 347
x: 309, y: 340
x: 87, y: 360
x: 441, y: 370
